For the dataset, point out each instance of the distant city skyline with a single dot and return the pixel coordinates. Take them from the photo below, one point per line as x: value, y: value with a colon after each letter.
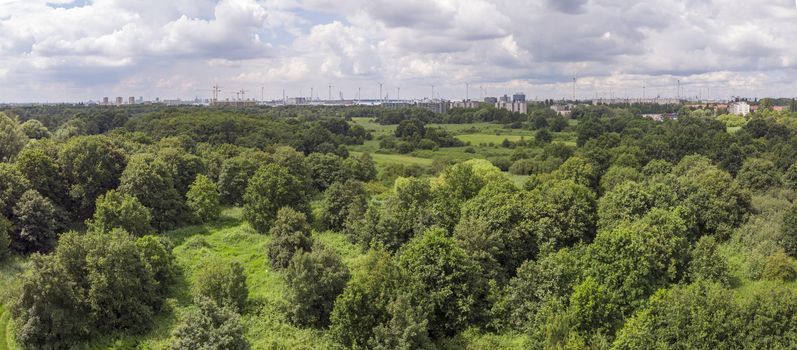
x: 80, y: 50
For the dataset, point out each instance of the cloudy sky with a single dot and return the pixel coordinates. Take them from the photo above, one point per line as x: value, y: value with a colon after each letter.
x: 74, y: 50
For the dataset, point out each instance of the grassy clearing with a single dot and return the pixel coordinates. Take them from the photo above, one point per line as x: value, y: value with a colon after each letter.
x: 385, y: 159
x: 478, y: 139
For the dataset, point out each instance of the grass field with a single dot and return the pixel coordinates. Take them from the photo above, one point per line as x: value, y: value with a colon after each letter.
x: 478, y: 139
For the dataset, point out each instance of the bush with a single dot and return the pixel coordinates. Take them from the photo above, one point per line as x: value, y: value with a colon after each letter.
x: 203, y: 199
x: 116, y: 210
x: 271, y: 188
x: 93, y: 284
x: 210, y: 326
x: 779, y: 267
x: 315, y: 280
x: 290, y: 234
x: 35, y: 223
x: 222, y: 282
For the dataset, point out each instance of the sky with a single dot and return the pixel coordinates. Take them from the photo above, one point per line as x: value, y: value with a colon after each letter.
x: 79, y: 50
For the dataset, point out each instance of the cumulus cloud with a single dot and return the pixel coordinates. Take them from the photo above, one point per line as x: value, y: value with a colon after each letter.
x: 81, y: 49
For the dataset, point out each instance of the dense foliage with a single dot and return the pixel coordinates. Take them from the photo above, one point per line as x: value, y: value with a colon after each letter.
x: 76, y: 293
x: 612, y: 231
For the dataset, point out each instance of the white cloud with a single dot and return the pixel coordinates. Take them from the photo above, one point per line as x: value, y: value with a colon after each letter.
x: 53, y: 49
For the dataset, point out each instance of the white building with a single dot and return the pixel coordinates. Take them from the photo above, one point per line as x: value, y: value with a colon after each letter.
x: 739, y: 108
x: 517, y: 107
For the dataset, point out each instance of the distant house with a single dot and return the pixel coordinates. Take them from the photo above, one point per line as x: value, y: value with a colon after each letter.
x: 739, y: 108
x: 564, y: 111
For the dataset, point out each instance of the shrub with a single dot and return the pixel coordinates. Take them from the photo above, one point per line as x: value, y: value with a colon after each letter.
x: 290, y: 234
x: 209, y: 326
x: 122, y: 211
x: 203, y: 199
x: 315, y: 280
x: 222, y: 282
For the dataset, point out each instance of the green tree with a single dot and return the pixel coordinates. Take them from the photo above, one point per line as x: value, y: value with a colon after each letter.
x: 714, y: 200
x: 634, y: 260
x: 564, y: 212
x: 203, y: 199
x: 209, y: 326
x: 537, y: 283
x: 290, y: 234
x: 444, y: 279
x: 326, y: 169
x: 271, y: 188
x: 12, y: 185
x: 407, y: 328
x: 788, y: 229
x: 12, y: 138
x: 183, y: 167
x: 543, y: 136
x: 116, y: 210
x: 579, y: 170
x: 364, y: 304
x: 779, y: 267
x: 617, y: 175
x: 234, y: 177
x: 34, y: 218
x: 93, y: 284
x: 403, y: 215
x: 706, y: 264
x: 456, y: 185
x: 631, y: 200
x: 6, y: 229
x: 39, y: 164
x: 149, y: 179
x: 593, y: 309
x: 35, y: 130
x: 222, y: 282
x: 790, y: 177
x: 315, y: 279
x: 697, y: 316
x: 91, y: 165
x: 758, y: 174
x: 343, y: 202
x: 363, y: 167
x: 495, y: 228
